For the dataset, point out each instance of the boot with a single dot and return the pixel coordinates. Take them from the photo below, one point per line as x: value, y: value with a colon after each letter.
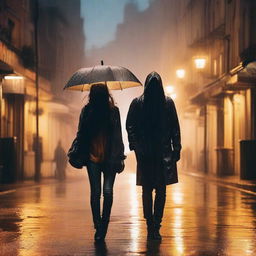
x: 104, y: 228
x: 98, y: 236
x: 157, y: 235
x: 150, y: 229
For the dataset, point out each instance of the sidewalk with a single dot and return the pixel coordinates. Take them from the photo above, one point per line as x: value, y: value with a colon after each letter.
x: 234, y: 181
x: 247, y: 185
x: 10, y: 188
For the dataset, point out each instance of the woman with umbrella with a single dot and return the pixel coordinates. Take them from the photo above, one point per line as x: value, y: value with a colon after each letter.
x: 98, y: 144
x: 154, y: 134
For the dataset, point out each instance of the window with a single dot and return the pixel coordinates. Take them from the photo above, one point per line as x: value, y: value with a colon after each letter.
x: 10, y: 28
x: 215, y: 72
x: 221, y: 64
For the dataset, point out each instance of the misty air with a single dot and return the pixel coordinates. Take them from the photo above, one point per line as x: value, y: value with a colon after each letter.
x: 127, y: 127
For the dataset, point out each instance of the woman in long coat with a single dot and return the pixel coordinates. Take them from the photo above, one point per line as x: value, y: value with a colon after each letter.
x: 154, y: 134
x: 99, y: 147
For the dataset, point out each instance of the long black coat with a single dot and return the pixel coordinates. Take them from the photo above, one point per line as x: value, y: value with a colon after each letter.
x: 169, y: 141
x: 80, y: 149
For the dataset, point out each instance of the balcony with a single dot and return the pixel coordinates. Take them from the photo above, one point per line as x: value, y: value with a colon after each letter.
x: 217, y: 33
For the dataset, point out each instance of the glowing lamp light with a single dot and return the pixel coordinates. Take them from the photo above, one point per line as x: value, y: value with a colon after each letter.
x: 169, y: 89
x: 180, y: 73
x: 13, y: 77
x: 173, y: 96
x: 200, y: 63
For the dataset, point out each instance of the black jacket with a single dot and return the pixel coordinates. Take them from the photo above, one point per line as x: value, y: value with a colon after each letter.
x: 80, y: 149
x: 169, y: 141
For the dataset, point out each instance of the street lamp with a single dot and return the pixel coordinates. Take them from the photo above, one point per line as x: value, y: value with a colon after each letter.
x: 13, y: 77
x: 169, y: 89
x: 173, y: 96
x: 180, y: 73
x: 200, y: 62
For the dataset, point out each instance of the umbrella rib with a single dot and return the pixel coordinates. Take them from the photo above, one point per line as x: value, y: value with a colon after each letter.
x: 90, y: 72
x: 113, y: 76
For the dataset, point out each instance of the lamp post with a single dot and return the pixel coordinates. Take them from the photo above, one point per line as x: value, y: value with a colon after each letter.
x: 37, y: 176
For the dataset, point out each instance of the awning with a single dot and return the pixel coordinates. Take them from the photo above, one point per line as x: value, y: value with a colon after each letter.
x: 14, y: 86
x: 5, y: 69
x: 211, y: 90
x: 241, y: 79
x: 244, y: 79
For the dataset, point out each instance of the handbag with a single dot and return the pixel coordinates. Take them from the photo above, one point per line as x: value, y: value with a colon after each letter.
x: 116, y: 166
x: 75, y: 158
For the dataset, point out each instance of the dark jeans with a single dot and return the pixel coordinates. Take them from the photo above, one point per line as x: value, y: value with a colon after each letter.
x: 159, y: 203
x: 94, y: 173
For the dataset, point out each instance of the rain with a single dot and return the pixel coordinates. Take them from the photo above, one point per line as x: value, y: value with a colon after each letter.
x: 205, y: 54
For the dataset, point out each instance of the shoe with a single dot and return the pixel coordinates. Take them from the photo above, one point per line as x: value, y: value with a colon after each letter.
x: 98, y: 236
x: 104, y: 228
x: 150, y: 229
x: 157, y: 235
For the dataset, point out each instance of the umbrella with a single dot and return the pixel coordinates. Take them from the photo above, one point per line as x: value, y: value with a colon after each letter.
x: 116, y: 78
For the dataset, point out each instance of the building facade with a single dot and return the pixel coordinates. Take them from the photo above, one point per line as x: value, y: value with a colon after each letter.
x: 217, y: 50
x: 18, y: 88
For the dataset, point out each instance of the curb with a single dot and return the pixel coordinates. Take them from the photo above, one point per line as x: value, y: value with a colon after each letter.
x: 247, y: 188
x: 18, y: 186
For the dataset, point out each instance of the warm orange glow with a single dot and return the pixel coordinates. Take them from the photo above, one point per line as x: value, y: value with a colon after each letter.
x: 173, y: 96
x: 180, y: 73
x: 200, y: 63
x: 13, y: 77
x: 169, y: 89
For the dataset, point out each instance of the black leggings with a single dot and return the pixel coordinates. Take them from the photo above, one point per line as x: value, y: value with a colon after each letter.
x: 159, y: 203
x: 94, y: 174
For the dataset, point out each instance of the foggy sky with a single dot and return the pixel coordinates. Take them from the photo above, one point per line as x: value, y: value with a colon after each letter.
x: 101, y: 19
x: 130, y: 33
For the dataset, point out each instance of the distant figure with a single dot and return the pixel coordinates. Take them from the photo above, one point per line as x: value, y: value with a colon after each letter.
x: 99, y: 146
x: 60, y: 158
x: 154, y: 134
x: 187, y: 158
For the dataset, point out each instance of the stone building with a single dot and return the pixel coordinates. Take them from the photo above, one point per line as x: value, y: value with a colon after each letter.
x: 218, y: 96
x: 18, y: 84
x: 18, y: 89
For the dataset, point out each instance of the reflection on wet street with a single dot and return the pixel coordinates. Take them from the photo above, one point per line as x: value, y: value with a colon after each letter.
x: 201, y: 218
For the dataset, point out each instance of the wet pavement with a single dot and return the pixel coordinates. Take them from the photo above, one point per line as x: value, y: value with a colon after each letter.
x: 201, y: 219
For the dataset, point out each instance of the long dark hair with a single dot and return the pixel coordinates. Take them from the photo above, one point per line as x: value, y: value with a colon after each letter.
x: 153, y: 106
x: 101, y: 103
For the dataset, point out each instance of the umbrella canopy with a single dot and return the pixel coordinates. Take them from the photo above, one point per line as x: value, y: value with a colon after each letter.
x: 116, y: 78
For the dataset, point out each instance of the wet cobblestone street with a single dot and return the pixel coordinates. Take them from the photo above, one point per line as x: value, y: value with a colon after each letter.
x: 201, y: 218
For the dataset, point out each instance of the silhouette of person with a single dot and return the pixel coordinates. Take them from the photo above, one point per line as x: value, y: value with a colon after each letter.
x: 60, y: 158
x: 154, y: 134
x: 99, y: 146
